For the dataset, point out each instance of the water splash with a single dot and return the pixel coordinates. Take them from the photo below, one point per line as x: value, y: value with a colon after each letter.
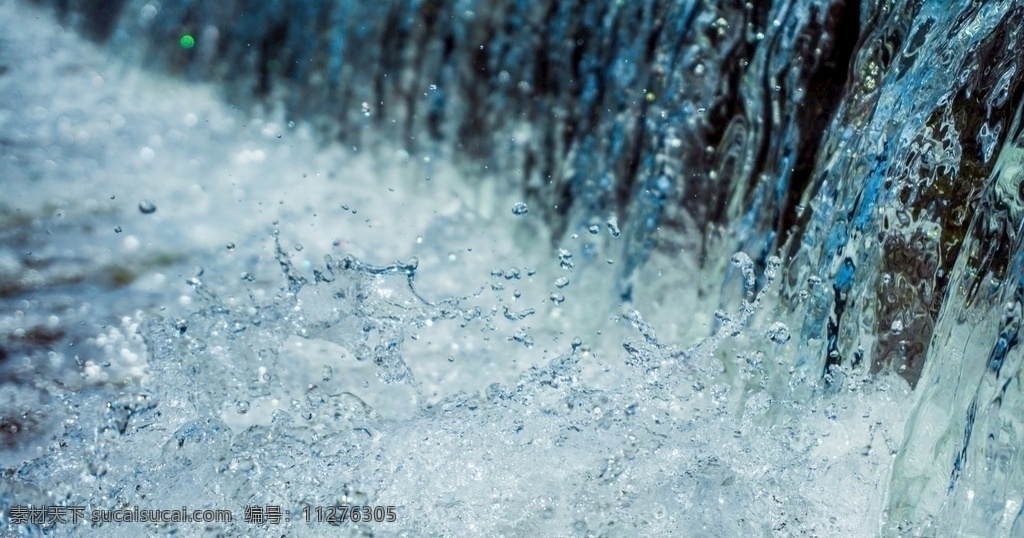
x: 881, y: 158
x: 309, y: 400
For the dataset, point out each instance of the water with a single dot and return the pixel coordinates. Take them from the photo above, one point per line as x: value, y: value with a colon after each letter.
x: 337, y: 295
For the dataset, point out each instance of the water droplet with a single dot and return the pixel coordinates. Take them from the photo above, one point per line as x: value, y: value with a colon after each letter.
x: 565, y: 259
x: 897, y: 326
x: 520, y: 209
x: 613, y: 226
x: 778, y: 332
x: 561, y: 282
x: 230, y: 246
x: 522, y: 337
x: 242, y: 406
x: 594, y: 229
x: 557, y: 298
x: 771, y: 268
x: 831, y: 412
x: 117, y: 229
x: 327, y: 373
x: 146, y: 207
x: 743, y: 262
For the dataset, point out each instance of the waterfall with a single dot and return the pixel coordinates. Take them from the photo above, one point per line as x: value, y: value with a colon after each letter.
x: 867, y: 157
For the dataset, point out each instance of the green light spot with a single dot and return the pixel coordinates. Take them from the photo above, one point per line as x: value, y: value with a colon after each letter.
x: 187, y: 41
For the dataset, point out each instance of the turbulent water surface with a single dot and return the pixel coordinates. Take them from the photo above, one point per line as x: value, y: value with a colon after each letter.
x: 641, y: 268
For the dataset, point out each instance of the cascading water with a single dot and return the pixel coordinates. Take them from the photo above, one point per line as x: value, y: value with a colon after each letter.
x: 172, y: 333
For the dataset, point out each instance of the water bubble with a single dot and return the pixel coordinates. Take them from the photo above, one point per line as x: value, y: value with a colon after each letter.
x: 594, y: 229
x: 561, y: 282
x: 326, y: 373
x: 242, y: 407
x: 520, y: 209
x: 897, y: 326
x: 117, y: 229
x: 557, y: 298
x: 230, y: 246
x: 146, y: 207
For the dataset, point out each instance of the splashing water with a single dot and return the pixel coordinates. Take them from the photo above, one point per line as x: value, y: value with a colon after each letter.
x: 504, y: 379
x: 491, y: 410
x: 312, y: 399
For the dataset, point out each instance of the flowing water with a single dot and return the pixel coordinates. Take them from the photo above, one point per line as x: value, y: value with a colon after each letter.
x: 650, y: 268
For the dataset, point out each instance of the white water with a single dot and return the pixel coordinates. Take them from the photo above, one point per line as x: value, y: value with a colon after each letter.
x: 488, y: 436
